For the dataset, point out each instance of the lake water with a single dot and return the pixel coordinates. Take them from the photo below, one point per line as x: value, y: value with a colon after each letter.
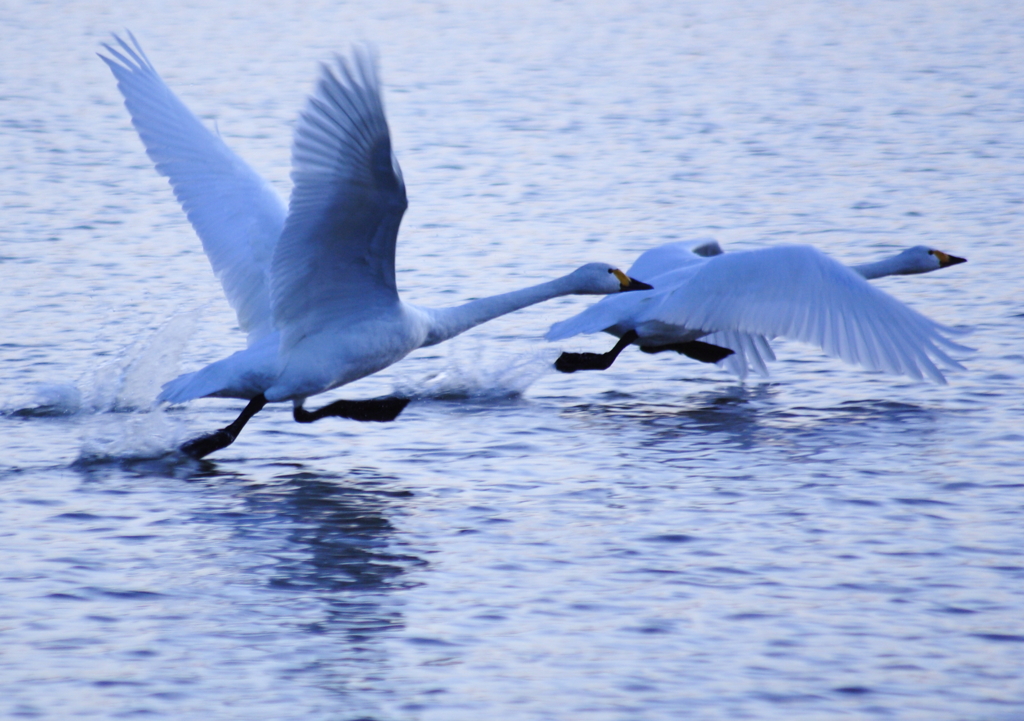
x: 659, y: 541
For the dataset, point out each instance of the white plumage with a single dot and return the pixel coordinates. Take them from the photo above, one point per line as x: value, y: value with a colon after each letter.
x: 235, y: 212
x: 739, y: 300
x: 314, y: 287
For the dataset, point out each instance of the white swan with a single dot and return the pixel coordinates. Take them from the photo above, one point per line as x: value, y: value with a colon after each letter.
x: 314, y: 287
x: 734, y: 302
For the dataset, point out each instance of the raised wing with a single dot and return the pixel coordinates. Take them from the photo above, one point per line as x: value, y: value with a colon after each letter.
x: 671, y: 256
x: 797, y: 292
x: 336, y: 256
x: 236, y: 213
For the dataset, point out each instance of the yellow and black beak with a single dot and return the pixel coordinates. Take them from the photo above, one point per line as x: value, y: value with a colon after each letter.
x: 627, y: 283
x: 945, y: 259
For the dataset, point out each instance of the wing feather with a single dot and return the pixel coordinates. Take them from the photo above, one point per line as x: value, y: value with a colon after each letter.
x: 797, y: 292
x: 605, y: 314
x: 336, y: 256
x: 749, y: 352
x: 235, y: 212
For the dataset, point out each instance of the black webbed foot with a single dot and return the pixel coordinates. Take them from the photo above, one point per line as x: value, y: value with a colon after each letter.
x: 205, y: 445
x: 572, y: 362
x: 698, y: 350
x: 376, y: 409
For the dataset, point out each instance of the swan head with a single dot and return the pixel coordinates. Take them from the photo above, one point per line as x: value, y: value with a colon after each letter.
x: 602, y: 279
x: 922, y: 259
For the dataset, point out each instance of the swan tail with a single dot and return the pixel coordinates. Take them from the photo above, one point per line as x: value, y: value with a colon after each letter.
x: 189, y: 386
x: 224, y: 379
x: 243, y: 375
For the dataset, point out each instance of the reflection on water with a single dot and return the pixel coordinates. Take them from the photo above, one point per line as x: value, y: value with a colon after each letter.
x: 747, y: 416
x: 295, y: 554
x: 346, y: 539
x: 732, y: 414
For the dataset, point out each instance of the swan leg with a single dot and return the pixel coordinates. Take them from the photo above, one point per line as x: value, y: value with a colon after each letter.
x: 377, y: 409
x: 698, y: 350
x: 572, y: 362
x: 205, y: 445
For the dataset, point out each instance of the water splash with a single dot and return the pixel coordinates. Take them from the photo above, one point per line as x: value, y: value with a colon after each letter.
x: 127, y: 383
x: 117, y: 398
x: 47, y: 400
x: 132, y: 381
x: 129, y: 436
x: 128, y: 424
x: 479, y: 378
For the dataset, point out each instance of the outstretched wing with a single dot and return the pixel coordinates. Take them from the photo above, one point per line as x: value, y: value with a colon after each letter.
x: 798, y: 292
x: 336, y: 256
x: 236, y: 213
x: 741, y: 299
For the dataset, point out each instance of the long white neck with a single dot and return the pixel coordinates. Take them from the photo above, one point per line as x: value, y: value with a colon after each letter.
x: 881, y: 268
x: 447, y: 323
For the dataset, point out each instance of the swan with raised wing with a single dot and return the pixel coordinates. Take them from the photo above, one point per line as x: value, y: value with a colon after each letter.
x: 313, y: 285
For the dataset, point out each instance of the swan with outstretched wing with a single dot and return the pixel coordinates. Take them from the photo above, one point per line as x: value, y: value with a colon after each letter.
x: 723, y: 307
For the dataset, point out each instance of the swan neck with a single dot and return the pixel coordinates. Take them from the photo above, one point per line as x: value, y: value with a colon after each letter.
x: 880, y: 268
x: 449, y: 322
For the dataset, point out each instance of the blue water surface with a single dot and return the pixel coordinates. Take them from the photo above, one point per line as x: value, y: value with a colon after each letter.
x: 658, y: 541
